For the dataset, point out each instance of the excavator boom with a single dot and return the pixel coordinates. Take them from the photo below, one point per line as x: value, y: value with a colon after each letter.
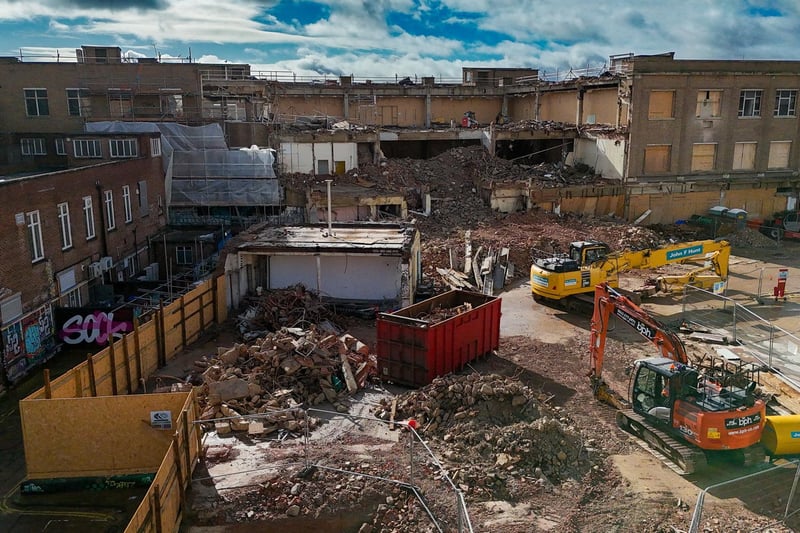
x: 676, y: 409
x: 573, y: 276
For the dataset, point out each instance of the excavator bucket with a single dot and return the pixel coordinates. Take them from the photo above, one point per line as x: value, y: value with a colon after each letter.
x: 606, y: 395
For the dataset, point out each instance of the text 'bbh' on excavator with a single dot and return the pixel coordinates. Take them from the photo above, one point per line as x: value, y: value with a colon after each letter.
x: 682, y: 412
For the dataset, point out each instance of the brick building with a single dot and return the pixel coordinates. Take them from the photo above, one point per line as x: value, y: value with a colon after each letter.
x: 67, y: 235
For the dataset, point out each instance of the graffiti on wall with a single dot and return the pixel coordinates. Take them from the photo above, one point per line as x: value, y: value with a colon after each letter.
x: 92, y: 326
x: 28, y: 342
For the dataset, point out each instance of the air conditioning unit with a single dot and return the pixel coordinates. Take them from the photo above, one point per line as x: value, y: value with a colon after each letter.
x: 95, y: 270
x: 106, y: 263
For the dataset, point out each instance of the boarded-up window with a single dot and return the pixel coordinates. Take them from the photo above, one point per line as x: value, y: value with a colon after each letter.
x: 662, y: 105
x: 657, y: 158
x: 709, y: 104
x: 744, y: 156
x: 703, y: 156
x: 779, y: 154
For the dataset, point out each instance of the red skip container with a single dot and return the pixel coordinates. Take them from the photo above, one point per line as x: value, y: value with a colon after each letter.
x: 413, y: 350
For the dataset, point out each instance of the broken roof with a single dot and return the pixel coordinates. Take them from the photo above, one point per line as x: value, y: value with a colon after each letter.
x: 359, y: 238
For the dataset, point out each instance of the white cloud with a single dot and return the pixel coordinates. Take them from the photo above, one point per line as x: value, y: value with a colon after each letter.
x: 359, y: 36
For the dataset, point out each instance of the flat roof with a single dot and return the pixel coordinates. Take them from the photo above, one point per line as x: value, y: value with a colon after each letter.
x: 368, y: 238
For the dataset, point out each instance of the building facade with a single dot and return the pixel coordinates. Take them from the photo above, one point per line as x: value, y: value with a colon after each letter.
x: 68, y: 235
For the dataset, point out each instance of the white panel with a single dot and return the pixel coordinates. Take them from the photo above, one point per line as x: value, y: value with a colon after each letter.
x: 288, y: 270
x: 604, y: 155
x: 11, y: 308
x: 361, y: 277
x: 66, y: 280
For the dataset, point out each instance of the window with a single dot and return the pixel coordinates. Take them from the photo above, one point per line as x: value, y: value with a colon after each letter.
x: 75, y: 102
x: 709, y: 104
x: 88, y: 217
x: 111, y: 220
x: 657, y: 158
x: 32, y: 146
x: 126, y: 202
x: 779, y: 154
x: 36, y: 102
x: 120, y: 102
x: 66, y: 228
x: 141, y: 191
x: 171, y: 104
x: 750, y: 103
x: 183, y: 255
x: 74, y: 297
x: 61, y: 148
x: 744, y: 156
x: 785, y: 103
x: 123, y: 148
x: 155, y: 147
x: 704, y: 156
x: 87, y: 148
x: 662, y: 105
x: 35, y: 235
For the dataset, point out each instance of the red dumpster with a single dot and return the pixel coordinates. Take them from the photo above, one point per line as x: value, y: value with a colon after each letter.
x: 436, y: 336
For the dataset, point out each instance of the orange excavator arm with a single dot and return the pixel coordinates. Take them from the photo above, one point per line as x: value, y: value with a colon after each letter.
x: 608, y: 301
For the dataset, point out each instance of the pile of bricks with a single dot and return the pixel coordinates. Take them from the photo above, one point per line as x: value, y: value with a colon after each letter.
x: 259, y: 387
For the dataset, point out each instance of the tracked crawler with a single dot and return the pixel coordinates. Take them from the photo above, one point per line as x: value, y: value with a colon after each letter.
x: 679, y: 411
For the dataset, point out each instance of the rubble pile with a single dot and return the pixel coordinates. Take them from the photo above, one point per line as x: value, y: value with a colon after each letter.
x: 275, y: 309
x: 281, y: 371
x: 751, y: 238
x: 489, y: 429
x: 366, y: 504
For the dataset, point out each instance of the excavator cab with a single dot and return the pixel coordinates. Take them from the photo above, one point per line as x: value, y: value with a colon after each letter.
x: 657, y: 382
x: 586, y: 253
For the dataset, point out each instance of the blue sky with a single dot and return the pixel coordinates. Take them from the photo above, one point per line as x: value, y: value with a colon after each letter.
x: 384, y: 38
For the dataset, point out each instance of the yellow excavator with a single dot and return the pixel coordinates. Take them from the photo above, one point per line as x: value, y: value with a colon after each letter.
x: 570, y: 279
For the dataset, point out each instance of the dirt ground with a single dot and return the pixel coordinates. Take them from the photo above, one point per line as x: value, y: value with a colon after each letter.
x: 610, y: 484
x: 518, y: 431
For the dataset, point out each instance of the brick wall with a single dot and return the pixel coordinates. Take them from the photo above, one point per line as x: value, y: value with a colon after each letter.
x: 37, y: 280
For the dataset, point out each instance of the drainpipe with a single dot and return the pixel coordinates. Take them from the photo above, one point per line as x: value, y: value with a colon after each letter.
x: 330, y: 230
x: 101, y: 203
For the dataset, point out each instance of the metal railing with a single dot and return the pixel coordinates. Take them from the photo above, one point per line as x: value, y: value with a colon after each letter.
x: 765, y: 491
x: 767, y: 342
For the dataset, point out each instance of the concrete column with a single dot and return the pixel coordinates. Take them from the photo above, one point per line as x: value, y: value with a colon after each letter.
x: 428, y: 107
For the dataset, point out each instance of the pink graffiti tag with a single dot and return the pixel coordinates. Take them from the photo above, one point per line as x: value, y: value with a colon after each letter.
x: 95, y: 328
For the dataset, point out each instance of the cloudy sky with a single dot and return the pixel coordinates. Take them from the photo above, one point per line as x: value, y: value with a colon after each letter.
x: 384, y: 38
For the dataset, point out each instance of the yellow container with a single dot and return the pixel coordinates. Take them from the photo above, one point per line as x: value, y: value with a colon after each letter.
x: 781, y: 435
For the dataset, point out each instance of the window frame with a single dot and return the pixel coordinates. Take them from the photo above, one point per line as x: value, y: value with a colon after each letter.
x: 75, y: 95
x: 740, y: 147
x: 654, y: 113
x: 184, y: 255
x: 61, y: 146
x: 750, y: 95
x: 667, y: 159
x: 141, y: 192
x: 123, y: 148
x: 90, y: 148
x: 34, y: 223
x: 155, y: 146
x: 32, y: 146
x: 88, y: 218
x: 773, y: 155
x: 705, y: 96
x: 41, y: 102
x: 789, y: 97
x: 65, y: 225
x: 702, y: 158
x: 111, y: 220
x: 126, y: 203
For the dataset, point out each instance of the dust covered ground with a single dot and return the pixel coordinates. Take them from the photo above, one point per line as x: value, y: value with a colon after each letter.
x: 518, y: 432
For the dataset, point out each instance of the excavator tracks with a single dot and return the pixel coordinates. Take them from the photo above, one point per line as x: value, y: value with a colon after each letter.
x: 682, y: 458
